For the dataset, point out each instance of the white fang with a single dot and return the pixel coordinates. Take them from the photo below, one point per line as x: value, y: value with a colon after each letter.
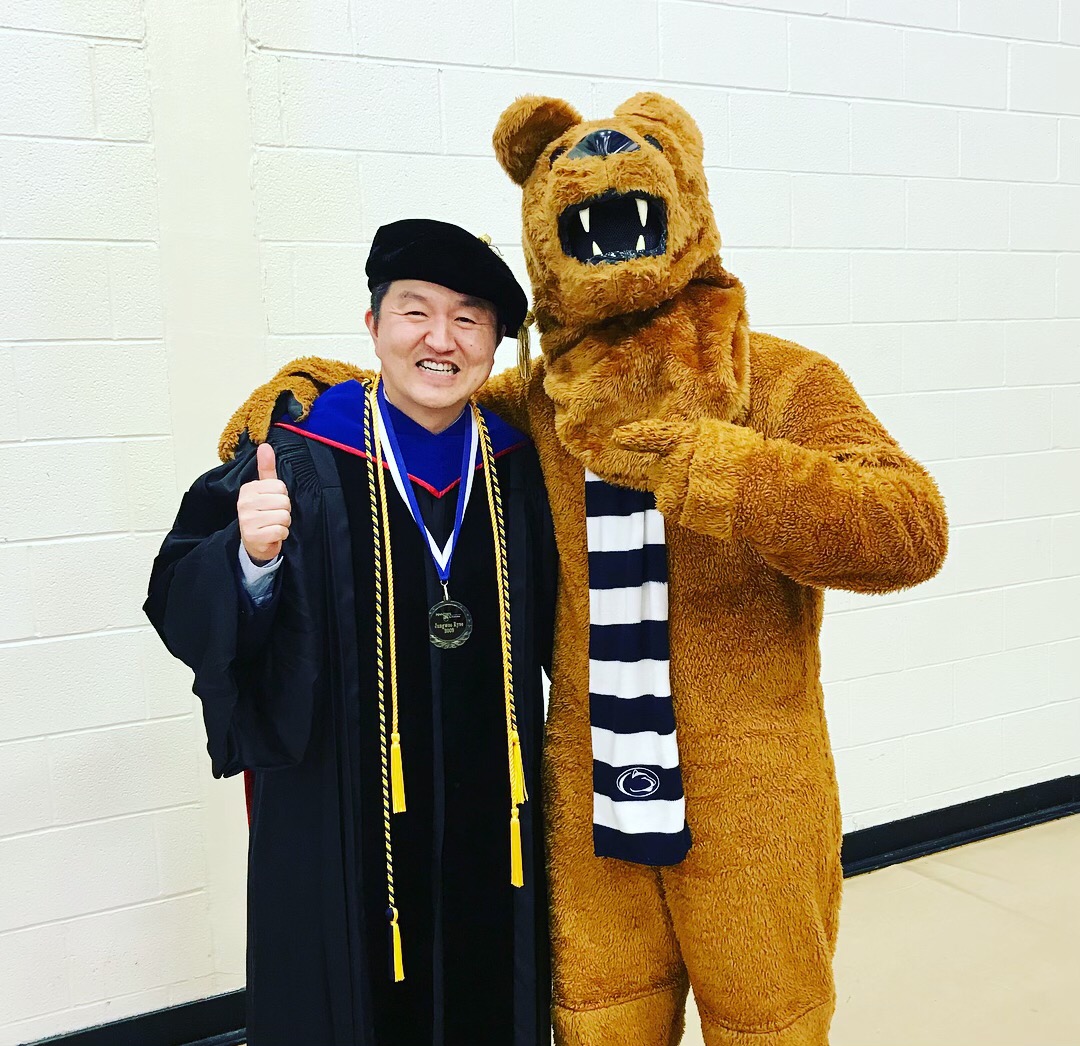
x: 642, y: 212
x: 640, y: 244
x: 596, y: 250
x: 584, y: 216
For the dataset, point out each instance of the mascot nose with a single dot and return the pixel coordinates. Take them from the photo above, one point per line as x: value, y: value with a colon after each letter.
x: 603, y: 143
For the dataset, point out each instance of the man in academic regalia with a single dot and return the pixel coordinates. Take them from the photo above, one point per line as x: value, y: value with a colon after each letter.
x: 366, y: 601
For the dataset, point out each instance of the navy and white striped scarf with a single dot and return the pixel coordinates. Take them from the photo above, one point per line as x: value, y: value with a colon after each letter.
x: 639, y: 811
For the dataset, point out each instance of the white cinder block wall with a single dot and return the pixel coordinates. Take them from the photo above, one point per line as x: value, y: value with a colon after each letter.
x: 898, y: 185
x: 103, y: 905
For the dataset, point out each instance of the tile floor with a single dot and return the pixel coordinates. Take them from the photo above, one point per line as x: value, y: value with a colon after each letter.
x: 977, y: 946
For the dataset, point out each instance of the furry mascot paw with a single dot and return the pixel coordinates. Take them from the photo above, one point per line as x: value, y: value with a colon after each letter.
x: 291, y: 391
x: 668, y: 451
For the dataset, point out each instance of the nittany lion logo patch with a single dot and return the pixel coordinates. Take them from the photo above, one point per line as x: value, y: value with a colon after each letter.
x: 639, y: 782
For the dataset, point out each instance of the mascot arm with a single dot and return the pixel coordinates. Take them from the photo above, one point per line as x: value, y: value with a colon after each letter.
x: 507, y: 394
x: 835, y: 503
x: 303, y: 379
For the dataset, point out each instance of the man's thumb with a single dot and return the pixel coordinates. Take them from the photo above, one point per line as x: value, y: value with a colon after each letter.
x: 267, y: 461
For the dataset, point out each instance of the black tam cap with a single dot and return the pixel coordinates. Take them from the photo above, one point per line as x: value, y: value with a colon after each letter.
x: 437, y: 252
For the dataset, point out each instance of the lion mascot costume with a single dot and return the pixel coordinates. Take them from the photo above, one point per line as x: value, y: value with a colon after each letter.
x: 707, y: 484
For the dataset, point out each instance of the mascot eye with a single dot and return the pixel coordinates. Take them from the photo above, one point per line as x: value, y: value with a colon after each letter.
x: 652, y: 141
x: 556, y: 154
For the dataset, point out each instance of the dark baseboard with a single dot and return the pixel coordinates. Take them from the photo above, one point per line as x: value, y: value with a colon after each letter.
x: 219, y: 1021
x: 897, y: 841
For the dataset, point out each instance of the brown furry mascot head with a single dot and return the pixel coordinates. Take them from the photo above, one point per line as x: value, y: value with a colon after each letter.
x: 615, y: 212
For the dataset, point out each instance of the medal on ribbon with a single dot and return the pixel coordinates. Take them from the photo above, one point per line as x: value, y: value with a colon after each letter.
x: 449, y: 622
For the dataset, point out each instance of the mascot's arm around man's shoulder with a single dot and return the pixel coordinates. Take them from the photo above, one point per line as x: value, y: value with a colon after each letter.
x: 827, y: 498
x: 306, y: 378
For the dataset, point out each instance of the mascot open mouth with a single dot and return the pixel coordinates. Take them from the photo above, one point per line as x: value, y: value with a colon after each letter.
x: 614, y: 227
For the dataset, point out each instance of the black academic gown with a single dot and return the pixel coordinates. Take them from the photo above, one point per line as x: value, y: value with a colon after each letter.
x: 289, y: 692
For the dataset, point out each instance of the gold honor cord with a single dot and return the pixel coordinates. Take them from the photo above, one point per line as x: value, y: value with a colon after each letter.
x: 518, y: 794
x: 393, y: 792
x: 375, y: 481
x: 397, y: 772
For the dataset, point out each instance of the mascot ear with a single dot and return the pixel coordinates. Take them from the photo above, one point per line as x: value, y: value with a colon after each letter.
x: 656, y: 107
x: 526, y: 127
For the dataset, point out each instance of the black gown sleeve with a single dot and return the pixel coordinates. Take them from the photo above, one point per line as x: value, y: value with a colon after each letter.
x: 258, y: 670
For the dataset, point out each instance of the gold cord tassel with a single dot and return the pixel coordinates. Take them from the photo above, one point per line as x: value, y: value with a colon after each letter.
x: 517, y: 875
x: 395, y: 935
x: 391, y: 776
x: 397, y: 774
x: 518, y: 794
x: 524, y: 348
x: 397, y: 777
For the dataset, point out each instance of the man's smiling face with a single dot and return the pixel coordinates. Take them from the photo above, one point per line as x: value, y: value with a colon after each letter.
x: 436, y: 347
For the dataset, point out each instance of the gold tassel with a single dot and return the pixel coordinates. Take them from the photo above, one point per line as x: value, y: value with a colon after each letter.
x: 518, y: 794
x: 517, y: 875
x: 524, y: 348
x: 397, y: 774
x: 513, y: 740
x: 395, y: 933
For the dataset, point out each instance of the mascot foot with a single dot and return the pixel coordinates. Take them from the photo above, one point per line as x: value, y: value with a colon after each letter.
x: 811, y: 1029
x: 656, y: 1019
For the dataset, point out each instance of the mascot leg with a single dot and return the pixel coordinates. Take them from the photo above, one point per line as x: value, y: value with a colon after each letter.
x: 655, y: 1020
x: 619, y: 979
x: 754, y: 907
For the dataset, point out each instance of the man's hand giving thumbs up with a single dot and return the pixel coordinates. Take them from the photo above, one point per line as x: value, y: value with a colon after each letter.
x: 264, y: 510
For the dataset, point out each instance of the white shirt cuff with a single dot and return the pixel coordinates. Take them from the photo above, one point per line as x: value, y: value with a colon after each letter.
x: 258, y: 581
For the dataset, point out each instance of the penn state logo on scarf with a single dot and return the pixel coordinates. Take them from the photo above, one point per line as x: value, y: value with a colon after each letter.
x: 639, y: 810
